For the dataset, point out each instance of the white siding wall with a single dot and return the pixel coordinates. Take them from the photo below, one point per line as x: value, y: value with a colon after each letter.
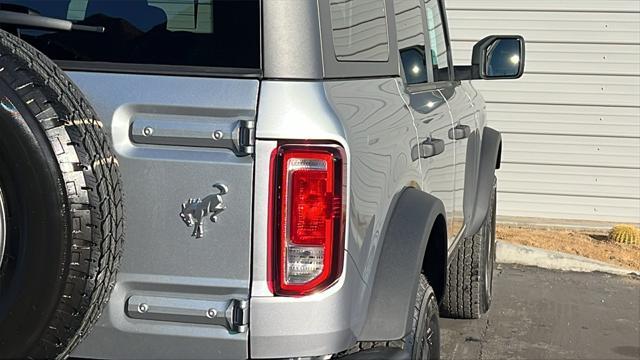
x: 571, y: 125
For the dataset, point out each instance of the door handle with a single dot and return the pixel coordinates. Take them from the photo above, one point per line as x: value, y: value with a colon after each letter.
x: 459, y: 132
x: 431, y: 147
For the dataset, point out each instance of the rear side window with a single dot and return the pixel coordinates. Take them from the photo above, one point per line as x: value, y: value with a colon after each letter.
x: 359, y: 30
x: 201, y: 33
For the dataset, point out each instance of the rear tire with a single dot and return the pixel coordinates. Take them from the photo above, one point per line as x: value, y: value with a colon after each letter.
x: 63, y: 209
x: 423, y: 342
x: 469, y: 287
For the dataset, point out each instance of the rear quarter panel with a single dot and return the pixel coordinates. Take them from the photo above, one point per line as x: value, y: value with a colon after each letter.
x: 371, y: 121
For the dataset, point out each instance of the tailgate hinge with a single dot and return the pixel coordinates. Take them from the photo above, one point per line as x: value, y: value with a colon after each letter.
x: 238, y: 315
x: 233, y: 314
x: 244, y: 137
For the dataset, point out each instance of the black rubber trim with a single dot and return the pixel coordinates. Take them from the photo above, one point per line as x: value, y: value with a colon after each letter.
x: 379, y: 353
x: 403, y: 246
x: 150, y: 69
x: 490, y: 151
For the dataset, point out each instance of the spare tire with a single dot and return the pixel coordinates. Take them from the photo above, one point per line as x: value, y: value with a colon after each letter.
x: 61, y: 208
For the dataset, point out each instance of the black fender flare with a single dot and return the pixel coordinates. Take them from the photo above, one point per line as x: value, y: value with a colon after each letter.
x: 403, y: 247
x: 490, y: 154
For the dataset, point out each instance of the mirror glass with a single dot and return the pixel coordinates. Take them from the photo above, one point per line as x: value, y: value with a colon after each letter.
x: 503, y: 58
x: 413, y: 64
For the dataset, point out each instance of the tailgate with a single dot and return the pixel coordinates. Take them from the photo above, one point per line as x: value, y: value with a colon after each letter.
x: 184, y: 148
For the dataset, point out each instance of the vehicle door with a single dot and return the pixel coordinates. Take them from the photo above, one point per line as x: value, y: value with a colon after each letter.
x: 460, y: 105
x: 421, y: 88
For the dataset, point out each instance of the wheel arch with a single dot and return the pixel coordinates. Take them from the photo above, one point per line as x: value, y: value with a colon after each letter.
x: 490, y: 159
x: 434, y: 263
x: 406, y: 239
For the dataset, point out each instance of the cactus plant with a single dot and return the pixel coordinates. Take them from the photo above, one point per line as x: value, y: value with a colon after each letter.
x: 626, y: 234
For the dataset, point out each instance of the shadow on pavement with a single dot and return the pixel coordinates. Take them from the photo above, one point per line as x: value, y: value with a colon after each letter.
x: 545, y: 314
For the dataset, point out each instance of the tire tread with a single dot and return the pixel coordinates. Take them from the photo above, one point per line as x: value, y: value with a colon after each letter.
x: 464, y: 297
x: 94, y: 190
x: 406, y: 343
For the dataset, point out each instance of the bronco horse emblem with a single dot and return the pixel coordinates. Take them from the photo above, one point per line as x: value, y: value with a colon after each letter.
x: 194, y: 211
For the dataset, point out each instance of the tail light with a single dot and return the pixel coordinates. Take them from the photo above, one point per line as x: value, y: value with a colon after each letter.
x: 306, y: 218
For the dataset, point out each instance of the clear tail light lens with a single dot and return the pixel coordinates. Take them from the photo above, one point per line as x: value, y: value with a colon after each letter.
x: 306, y: 218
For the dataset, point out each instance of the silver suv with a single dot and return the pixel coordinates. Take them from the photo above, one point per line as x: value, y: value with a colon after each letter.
x: 297, y: 178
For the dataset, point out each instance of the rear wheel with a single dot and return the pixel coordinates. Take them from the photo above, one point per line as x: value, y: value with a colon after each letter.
x: 61, y: 210
x: 469, y: 287
x: 423, y: 342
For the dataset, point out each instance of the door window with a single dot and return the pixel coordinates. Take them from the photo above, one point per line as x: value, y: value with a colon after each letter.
x: 439, y: 50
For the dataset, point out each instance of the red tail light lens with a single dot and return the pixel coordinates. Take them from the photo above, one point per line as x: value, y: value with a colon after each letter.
x: 306, y: 218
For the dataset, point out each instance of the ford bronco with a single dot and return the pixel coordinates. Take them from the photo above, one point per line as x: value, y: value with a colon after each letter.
x: 216, y: 179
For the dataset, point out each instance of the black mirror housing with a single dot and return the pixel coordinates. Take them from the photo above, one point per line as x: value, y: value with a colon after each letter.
x: 495, y: 57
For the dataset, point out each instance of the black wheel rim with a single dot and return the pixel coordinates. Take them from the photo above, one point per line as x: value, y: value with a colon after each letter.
x: 427, y: 344
x: 431, y: 340
x: 490, y: 237
x: 490, y: 251
x: 3, y: 226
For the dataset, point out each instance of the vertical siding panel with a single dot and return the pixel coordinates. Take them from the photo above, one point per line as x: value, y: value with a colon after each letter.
x: 571, y: 125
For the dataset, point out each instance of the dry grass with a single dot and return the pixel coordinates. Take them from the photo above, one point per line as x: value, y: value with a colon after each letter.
x: 592, y: 245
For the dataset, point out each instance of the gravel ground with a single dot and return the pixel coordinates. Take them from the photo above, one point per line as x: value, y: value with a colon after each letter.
x: 592, y: 244
x: 546, y: 314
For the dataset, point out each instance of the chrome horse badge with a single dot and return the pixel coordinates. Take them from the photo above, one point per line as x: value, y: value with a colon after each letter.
x: 194, y: 211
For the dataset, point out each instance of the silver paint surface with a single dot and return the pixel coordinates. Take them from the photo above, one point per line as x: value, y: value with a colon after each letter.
x: 297, y: 43
x: 377, y: 121
x: 160, y: 258
x: 463, y: 113
x: 291, y: 39
x: 433, y: 121
x: 371, y: 121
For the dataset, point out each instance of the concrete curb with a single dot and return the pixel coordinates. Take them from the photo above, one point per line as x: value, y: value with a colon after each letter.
x: 524, y: 255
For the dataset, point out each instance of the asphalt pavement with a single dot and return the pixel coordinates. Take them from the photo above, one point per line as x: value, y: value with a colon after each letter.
x: 549, y: 314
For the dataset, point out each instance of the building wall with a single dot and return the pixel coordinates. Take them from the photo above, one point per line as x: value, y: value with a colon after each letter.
x: 571, y: 125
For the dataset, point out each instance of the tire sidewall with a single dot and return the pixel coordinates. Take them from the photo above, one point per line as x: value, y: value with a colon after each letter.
x: 489, y: 252
x: 38, y: 238
x: 425, y: 337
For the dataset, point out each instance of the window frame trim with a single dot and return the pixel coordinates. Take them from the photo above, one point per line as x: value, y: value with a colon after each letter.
x: 155, y: 69
x: 445, y: 22
x: 445, y: 31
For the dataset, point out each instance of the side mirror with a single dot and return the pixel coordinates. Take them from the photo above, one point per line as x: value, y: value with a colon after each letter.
x: 495, y: 57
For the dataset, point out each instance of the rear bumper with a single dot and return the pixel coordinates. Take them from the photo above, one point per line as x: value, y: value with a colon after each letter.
x: 323, y: 323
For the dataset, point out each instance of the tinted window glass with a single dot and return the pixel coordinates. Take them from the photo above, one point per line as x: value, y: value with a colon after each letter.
x: 359, y: 30
x: 411, y: 40
x: 212, y: 33
x: 438, y: 42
